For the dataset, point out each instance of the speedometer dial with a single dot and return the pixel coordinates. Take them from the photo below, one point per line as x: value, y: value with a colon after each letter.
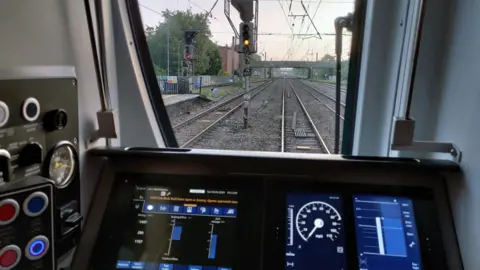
x: 318, y: 221
x: 62, y: 164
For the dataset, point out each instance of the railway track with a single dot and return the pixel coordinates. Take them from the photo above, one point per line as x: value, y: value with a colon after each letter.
x: 299, y: 133
x: 333, y: 86
x: 194, y: 127
x: 327, y: 100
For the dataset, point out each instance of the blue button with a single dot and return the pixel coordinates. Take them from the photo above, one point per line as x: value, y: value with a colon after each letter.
x: 190, y: 209
x: 36, y: 204
x: 230, y: 212
x: 137, y: 265
x: 164, y: 266
x: 217, y: 211
x: 37, y: 247
x: 151, y: 266
x: 176, y: 209
x: 163, y: 208
x: 194, y: 267
x: 203, y: 210
x: 123, y: 264
x: 224, y: 268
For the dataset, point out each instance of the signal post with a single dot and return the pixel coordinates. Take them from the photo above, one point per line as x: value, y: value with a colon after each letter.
x: 247, y: 47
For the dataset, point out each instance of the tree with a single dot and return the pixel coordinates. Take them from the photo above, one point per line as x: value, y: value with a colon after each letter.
x: 171, y: 31
x: 215, y: 61
x: 159, y: 71
x: 328, y: 57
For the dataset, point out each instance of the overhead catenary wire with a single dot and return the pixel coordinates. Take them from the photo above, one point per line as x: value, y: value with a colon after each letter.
x: 286, y: 17
x: 312, y: 1
x: 311, y: 21
x: 197, y: 5
x: 294, y: 42
x: 308, y: 28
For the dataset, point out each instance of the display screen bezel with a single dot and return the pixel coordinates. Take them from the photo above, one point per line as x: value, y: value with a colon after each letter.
x: 250, y: 197
x: 423, y: 208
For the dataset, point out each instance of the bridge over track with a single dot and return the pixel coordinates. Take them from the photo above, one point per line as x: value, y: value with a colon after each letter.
x: 292, y: 64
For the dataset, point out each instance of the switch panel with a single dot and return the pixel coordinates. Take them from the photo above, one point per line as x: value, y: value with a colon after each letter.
x: 38, y: 113
x: 26, y: 225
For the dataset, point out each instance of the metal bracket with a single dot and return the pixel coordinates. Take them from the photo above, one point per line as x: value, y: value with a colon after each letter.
x: 106, y: 126
x: 226, y: 11
x: 403, y: 141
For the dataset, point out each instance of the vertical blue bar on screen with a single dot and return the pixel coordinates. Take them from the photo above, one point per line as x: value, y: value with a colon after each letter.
x: 394, y: 237
x: 213, y: 247
x: 177, y: 233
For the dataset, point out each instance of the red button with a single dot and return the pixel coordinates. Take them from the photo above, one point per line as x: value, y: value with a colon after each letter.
x: 7, y: 212
x: 8, y: 258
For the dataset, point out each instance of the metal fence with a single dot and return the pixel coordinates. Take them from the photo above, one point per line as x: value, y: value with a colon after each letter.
x: 170, y: 85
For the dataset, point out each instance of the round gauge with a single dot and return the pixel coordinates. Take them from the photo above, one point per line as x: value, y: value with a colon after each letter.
x: 318, y: 220
x: 62, y: 164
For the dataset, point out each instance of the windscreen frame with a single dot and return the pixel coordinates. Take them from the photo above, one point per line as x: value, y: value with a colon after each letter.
x: 146, y: 64
x: 158, y: 105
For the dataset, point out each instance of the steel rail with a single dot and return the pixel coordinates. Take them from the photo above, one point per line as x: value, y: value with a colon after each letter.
x: 317, y: 134
x: 220, y: 119
x: 214, y: 108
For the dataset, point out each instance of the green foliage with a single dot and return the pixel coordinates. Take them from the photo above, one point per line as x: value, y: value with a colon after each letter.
x: 159, y: 71
x: 215, y: 62
x: 328, y: 57
x: 172, y: 30
x: 324, y: 74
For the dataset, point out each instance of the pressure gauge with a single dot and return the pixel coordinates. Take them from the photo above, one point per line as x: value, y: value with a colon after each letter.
x: 61, y: 164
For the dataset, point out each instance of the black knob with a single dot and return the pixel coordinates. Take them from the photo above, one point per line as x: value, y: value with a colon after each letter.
x: 30, y: 154
x: 55, y: 120
x: 5, y: 166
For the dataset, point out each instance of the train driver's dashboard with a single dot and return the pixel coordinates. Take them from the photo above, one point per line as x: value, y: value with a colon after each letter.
x: 168, y: 211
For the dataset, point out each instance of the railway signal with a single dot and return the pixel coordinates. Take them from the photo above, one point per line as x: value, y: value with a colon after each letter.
x: 188, y: 56
x: 247, y: 42
x: 190, y: 36
x: 189, y: 52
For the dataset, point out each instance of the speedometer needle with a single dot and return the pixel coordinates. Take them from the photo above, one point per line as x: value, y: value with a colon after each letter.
x: 318, y: 224
x: 311, y: 232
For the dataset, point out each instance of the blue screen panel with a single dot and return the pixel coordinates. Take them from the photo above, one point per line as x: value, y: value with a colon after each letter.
x: 386, y: 233
x: 315, y: 234
x: 177, y: 233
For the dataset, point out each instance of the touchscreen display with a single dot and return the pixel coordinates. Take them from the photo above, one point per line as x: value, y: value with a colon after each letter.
x: 386, y: 233
x: 180, y: 229
x: 315, y: 234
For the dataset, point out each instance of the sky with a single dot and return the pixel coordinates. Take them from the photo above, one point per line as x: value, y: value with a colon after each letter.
x: 275, y: 19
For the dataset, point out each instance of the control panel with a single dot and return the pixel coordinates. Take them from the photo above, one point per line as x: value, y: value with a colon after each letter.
x: 210, y: 226
x: 385, y: 232
x: 26, y: 225
x: 39, y: 137
x: 175, y: 210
